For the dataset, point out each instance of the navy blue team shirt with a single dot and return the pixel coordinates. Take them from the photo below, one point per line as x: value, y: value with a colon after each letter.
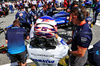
x: 15, y: 37
x: 22, y: 16
x: 82, y: 37
x: 41, y: 13
x: 31, y: 16
x: 50, y: 11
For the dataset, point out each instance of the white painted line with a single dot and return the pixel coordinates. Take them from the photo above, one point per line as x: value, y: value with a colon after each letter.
x: 97, y: 22
x: 15, y: 63
x: 29, y: 61
x: 91, y: 46
x: 10, y: 64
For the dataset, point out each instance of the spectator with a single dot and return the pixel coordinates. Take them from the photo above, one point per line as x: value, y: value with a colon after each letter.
x: 3, y: 4
x: 49, y: 1
x: 14, y: 5
x: 15, y: 43
x: 59, y: 2
x: 47, y: 48
x: 18, y: 5
x: 34, y: 2
x: 40, y: 4
x: 21, y: 5
x: 81, y: 39
x: 26, y: 6
x: 66, y: 3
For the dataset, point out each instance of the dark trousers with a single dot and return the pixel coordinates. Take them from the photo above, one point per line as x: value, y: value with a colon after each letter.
x: 95, y: 16
x: 1, y: 13
x: 26, y: 26
x: 78, y: 61
x: 26, y: 9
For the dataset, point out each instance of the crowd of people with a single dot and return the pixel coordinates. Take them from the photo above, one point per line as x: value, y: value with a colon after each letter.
x: 46, y: 47
x: 5, y: 7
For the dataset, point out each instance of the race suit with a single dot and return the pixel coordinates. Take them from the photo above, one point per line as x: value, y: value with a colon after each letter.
x: 48, y: 57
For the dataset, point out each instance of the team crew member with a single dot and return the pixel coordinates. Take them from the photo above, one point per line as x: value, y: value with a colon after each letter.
x: 22, y: 16
x: 73, y: 4
x: 32, y: 15
x: 97, y: 8
x: 82, y: 37
x: 51, y: 9
x: 89, y: 20
x: 42, y: 12
x: 46, y: 49
x: 11, y: 7
x: 15, y: 42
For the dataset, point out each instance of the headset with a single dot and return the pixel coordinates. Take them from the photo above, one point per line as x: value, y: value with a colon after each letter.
x: 81, y: 17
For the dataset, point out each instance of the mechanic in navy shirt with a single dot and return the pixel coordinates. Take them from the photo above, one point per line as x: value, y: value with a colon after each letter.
x: 97, y: 9
x: 50, y: 10
x: 43, y: 11
x: 82, y: 37
x: 32, y: 15
x: 15, y: 42
x: 22, y: 16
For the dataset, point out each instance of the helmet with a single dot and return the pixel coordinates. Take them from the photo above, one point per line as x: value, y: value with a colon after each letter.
x: 45, y: 27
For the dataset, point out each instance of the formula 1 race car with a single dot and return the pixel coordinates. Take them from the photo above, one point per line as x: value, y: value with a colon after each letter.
x: 61, y: 18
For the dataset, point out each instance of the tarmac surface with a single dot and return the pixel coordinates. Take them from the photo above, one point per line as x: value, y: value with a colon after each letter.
x: 65, y: 33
